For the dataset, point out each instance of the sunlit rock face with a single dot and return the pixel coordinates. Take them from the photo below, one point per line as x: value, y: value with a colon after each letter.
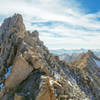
x: 29, y: 71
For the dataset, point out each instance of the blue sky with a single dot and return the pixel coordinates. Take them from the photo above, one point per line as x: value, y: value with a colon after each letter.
x: 68, y: 24
x: 92, y: 6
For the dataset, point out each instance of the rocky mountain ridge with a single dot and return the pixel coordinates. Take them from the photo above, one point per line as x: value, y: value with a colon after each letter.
x: 88, y: 69
x: 28, y: 71
x: 70, y: 58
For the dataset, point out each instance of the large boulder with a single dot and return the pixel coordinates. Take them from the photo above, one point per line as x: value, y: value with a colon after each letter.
x: 20, y: 72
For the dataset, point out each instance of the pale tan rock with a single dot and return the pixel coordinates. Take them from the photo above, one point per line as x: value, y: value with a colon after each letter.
x: 47, y: 89
x: 20, y: 72
x: 19, y: 97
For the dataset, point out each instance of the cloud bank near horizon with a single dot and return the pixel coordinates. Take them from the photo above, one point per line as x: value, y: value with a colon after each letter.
x: 61, y: 23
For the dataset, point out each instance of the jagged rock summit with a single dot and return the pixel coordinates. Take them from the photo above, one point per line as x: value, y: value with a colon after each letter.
x: 11, y: 25
x: 28, y: 71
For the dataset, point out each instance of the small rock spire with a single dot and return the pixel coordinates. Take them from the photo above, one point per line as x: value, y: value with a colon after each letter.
x: 90, y: 53
x: 13, y: 24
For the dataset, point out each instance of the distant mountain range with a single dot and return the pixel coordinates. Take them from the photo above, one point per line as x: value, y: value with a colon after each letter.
x: 70, y: 58
x: 71, y: 51
x: 74, y: 54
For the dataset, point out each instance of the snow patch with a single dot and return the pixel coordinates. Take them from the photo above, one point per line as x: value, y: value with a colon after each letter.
x: 1, y: 86
x: 51, y: 82
x: 24, y: 43
x: 9, y: 71
x: 85, y: 99
x: 27, y: 93
x: 97, y: 62
x: 90, y: 77
x: 72, y: 79
x: 69, y: 83
x: 57, y: 76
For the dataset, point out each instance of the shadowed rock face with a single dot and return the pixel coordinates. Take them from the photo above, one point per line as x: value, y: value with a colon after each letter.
x: 12, y: 24
x: 35, y: 73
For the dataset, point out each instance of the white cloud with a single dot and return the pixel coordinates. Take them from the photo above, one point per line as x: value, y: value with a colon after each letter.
x: 72, y: 26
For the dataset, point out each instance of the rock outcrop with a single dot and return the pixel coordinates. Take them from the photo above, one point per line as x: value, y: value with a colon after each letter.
x: 29, y: 71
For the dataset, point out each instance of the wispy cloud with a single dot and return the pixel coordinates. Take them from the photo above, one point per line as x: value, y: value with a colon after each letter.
x: 61, y: 23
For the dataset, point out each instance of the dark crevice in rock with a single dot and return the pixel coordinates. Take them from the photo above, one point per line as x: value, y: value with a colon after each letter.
x: 27, y: 87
